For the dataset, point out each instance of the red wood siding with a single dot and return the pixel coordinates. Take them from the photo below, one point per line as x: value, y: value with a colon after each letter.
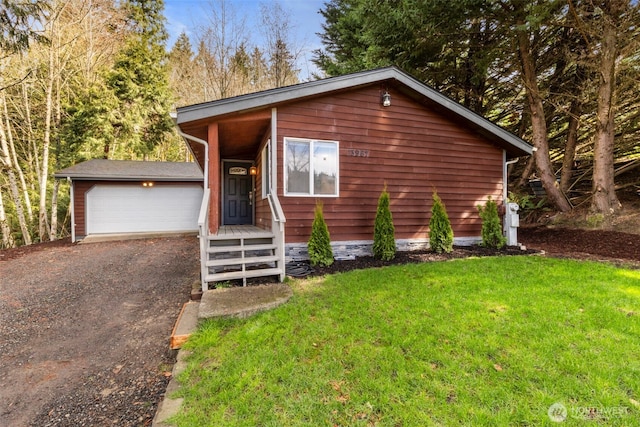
x: 412, y: 149
x: 214, y: 178
x: 80, y: 189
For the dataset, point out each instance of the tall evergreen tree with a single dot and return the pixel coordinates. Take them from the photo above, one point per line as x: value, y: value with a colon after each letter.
x: 139, y: 81
x: 448, y: 45
x: 182, y: 76
x: 17, y: 28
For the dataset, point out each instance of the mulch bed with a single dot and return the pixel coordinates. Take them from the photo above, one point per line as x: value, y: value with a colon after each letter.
x: 13, y: 253
x: 363, y: 262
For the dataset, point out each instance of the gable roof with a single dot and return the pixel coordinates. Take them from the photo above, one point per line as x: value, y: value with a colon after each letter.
x: 412, y: 87
x: 131, y: 170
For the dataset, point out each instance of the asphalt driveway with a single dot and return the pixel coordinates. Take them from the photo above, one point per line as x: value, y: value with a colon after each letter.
x: 84, y: 330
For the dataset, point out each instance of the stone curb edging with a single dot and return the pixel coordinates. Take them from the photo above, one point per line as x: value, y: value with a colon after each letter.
x: 231, y: 302
x: 169, y: 406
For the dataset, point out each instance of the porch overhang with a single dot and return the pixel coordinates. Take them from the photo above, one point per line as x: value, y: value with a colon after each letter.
x: 239, y: 135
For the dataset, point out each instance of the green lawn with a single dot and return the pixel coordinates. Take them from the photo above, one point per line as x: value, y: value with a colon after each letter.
x: 488, y: 341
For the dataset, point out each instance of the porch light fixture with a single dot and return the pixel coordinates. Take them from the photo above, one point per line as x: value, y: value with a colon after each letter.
x: 253, y: 171
x: 386, y: 99
x: 147, y: 184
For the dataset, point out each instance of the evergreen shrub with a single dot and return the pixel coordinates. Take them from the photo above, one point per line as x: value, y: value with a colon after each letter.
x: 384, y: 240
x: 440, y: 231
x: 319, y: 245
x: 492, y: 236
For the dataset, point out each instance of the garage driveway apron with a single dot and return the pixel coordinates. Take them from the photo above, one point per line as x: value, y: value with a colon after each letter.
x: 84, y: 330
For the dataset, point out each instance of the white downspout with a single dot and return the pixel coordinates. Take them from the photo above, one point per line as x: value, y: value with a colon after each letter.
x: 206, y: 154
x: 73, y: 210
x: 508, y: 226
x: 505, y: 176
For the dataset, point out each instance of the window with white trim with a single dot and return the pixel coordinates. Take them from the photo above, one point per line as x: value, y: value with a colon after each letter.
x: 311, y: 167
x: 266, y: 170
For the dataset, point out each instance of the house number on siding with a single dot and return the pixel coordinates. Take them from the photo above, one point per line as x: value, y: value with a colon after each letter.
x: 358, y: 153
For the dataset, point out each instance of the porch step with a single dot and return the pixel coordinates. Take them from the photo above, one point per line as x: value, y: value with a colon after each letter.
x: 237, y: 261
x: 239, y: 248
x: 232, y: 275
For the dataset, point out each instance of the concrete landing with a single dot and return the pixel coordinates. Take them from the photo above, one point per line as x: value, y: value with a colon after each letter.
x: 243, y: 302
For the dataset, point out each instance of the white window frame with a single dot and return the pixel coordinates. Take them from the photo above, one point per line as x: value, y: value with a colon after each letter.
x: 311, y: 142
x: 266, y: 169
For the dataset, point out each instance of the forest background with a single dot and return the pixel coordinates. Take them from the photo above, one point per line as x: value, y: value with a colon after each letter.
x: 83, y: 79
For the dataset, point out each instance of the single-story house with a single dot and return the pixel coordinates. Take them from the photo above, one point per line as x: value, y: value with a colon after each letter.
x: 121, y: 196
x: 269, y: 156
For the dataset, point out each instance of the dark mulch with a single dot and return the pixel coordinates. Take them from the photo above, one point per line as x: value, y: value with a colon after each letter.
x: 340, y: 266
x: 13, y: 253
x: 569, y: 243
x: 583, y: 243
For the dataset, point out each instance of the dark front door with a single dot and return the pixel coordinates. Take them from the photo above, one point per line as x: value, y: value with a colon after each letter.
x: 237, y: 198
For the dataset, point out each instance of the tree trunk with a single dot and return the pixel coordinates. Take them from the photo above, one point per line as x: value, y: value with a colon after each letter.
x: 526, y: 173
x: 570, y: 147
x: 5, y: 161
x: 32, y: 150
x: 539, y: 125
x: 18, y: 168
x: 7, y: 238
x: 53, y: 234
x: 46, y: 142
x: 604, y: 199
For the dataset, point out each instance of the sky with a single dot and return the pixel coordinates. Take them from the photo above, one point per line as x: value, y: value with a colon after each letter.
x: 185, y: 15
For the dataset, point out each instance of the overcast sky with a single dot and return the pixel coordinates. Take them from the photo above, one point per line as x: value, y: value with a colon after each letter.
x: 185, y: 15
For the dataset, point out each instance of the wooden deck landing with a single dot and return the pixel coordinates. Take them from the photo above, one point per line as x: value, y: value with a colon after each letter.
x: 237, y: 231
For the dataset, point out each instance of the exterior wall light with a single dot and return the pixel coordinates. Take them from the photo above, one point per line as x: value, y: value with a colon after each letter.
x: 386, y: 99
x: 147, y: 184
x: 253, y: 171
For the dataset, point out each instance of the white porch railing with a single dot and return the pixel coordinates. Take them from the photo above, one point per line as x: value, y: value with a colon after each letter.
x: 203, y: 234
x: 277, y: 228
x: 277, y: 231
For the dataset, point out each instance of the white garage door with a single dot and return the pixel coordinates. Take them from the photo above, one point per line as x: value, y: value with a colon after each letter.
x: 137, y: 209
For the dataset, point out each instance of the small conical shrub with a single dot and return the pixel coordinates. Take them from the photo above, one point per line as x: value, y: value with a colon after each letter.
x: 319, y: 245
x: 440, y: 231
x: 491, y: 229
x: 384, y: 240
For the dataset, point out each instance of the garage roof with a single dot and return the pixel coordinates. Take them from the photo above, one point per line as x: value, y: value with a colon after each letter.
x: 130, y: 170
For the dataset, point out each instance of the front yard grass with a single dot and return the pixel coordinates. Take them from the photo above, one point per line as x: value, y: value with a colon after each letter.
x: 485, y: 341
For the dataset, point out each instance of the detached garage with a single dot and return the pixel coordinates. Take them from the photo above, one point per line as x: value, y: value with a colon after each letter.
x: 119, y: 196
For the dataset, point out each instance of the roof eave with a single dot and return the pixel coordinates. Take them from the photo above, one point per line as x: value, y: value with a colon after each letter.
x: 127, y: 178
x: 280, y: 95
x: 515, y: 146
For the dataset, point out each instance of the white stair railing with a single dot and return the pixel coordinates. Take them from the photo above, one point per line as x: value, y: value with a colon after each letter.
x: 203, y: 235
x: 277, y: 228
